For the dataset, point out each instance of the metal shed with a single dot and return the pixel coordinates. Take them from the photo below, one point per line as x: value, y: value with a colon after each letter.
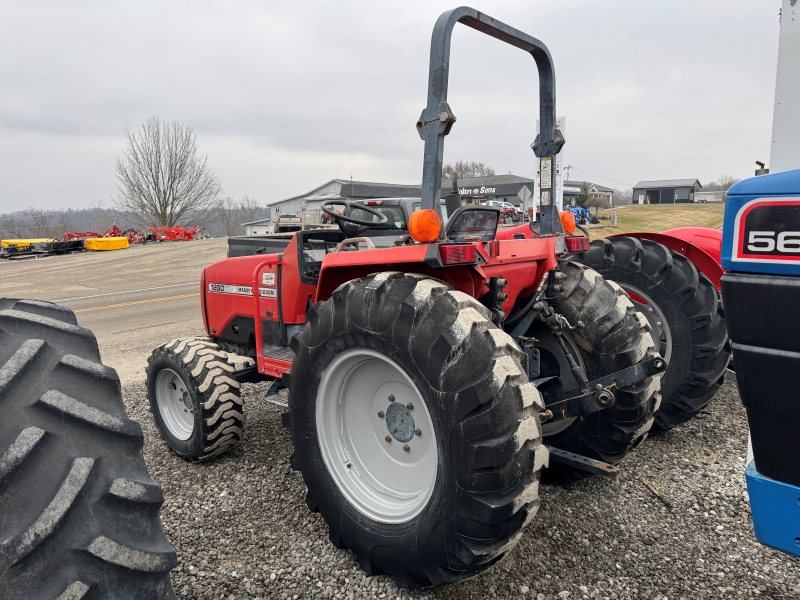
x: 665, y: 191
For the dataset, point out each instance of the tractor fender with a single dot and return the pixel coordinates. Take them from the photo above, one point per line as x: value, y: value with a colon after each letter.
x: 701, y: 245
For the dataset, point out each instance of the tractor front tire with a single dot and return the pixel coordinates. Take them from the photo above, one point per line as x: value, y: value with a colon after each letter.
x: 415, y: 429
x: 614, y: 336
x: 685, y: 313
x: 78, y: 511
x: 194, y: 398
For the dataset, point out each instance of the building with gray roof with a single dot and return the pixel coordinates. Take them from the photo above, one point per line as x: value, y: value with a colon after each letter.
x: 665, y: 191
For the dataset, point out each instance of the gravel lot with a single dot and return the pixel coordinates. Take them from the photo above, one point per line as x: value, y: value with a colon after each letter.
x: 242, y: 530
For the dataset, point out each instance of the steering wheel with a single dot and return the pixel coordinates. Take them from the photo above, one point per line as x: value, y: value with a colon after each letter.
x: 346, y: 222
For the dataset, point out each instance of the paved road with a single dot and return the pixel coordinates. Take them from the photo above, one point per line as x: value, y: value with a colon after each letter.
x: 132, y: 299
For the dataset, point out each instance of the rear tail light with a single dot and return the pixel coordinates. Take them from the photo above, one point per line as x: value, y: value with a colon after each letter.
x: 374, y: 202
x: 577, y: 244
x: 456, y: 255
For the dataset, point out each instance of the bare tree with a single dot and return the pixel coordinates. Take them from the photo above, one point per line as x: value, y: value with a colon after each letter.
x: 65, y: 222
x: 163, y: 178
x: 227, y: 216
x: 623, y: 197
x: 463, y: 169
x: 726, y: 181
x: 597, y: 202
x: 249, y: 209
x: 13, y: 227
x: 38, y: 221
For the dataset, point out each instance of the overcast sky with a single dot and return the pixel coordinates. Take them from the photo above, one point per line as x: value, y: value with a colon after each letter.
x: 287, y: 95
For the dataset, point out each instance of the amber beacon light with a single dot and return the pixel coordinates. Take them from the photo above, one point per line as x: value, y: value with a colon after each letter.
x: 567, y: 221
x: 424, y: 225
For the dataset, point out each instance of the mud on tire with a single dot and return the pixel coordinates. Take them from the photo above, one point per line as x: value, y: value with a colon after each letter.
x: 213, y: 401
x: 78, y: 511
x: 615, y: 336
x: 484, y: 413
x: 694, y: 315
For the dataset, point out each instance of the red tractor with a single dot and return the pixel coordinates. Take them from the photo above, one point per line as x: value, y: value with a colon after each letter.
x: 425, y: 375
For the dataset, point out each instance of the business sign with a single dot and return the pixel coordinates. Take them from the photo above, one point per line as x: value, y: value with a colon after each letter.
x: 481, y: 191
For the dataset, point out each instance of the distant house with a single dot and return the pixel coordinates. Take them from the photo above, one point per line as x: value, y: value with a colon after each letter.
x: 573, y: 189
x: 665, y: 191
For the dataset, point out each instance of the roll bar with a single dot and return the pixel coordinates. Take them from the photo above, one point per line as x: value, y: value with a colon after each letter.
x: 437, y: 119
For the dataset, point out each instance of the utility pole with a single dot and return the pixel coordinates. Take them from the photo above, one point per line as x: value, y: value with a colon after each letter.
x: 567, y: 168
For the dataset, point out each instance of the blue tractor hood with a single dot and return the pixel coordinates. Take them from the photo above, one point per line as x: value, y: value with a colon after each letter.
x: 777, y: 184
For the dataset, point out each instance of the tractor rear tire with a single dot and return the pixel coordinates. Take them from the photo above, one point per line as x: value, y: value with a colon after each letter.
x: 614, y: 336
x: 447, y: 497
x: 665, y: 285
x: 78, y: 511
x: 194, y: 398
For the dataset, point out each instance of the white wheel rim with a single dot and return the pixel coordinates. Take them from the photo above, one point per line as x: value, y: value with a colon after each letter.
x: 174, y: 404
x: 384, y: 481
x: 662, y: 335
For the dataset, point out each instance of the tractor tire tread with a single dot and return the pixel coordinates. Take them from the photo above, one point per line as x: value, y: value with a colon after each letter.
x: 614, y: 336
x: 72, y: 472
x: 207, y: 370
x: 488, y: 412
x: 694, y: 307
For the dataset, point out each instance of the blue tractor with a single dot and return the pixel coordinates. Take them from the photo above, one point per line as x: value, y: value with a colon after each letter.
x: 761, y: 294
x: 582, y: 215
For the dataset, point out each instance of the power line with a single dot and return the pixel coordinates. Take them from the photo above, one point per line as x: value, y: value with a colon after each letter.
x: 627, y: 185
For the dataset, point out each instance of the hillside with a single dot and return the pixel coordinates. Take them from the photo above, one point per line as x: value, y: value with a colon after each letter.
x: 659, y: 217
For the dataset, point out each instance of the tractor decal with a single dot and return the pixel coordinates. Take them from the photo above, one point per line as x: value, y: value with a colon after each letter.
x: 224, y: 288
x: 767, y: 231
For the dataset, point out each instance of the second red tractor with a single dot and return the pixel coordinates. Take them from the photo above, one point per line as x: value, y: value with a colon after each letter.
x: 431, y: 381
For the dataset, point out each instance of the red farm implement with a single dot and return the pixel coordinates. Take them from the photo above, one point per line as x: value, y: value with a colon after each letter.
x: 134, y: 237
x: 175, y: 234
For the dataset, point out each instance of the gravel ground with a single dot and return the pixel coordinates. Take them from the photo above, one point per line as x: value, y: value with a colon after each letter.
x: 242, y: 530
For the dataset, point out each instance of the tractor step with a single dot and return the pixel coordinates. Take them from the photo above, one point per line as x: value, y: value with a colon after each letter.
x: 279, y: 352
x: 582, y: 463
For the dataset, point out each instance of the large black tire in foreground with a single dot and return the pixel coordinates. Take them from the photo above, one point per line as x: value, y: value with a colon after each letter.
x: 194, y: 398
x: 78, y: 512
x: 614, y: 336
x: 692, y: 336
x: 415, y: 429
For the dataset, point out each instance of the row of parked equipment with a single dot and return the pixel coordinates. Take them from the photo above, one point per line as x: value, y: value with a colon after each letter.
x: 81, y: 241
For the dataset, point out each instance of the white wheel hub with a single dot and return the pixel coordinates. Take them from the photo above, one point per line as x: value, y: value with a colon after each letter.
x: 376, y: 436
x: 174, y: 404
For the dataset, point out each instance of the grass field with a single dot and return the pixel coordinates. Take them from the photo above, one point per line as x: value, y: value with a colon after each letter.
x: 659, y: 217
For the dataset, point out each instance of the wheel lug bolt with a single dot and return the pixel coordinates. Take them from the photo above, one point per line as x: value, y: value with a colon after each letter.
x: 418, y: 431
x: 380, y: 414
x: 410, y: 406
x: 388, y: 438
x: 391, y: 397
x: 598, y: 387
x: 406, y: 447
x: 650, y: 309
